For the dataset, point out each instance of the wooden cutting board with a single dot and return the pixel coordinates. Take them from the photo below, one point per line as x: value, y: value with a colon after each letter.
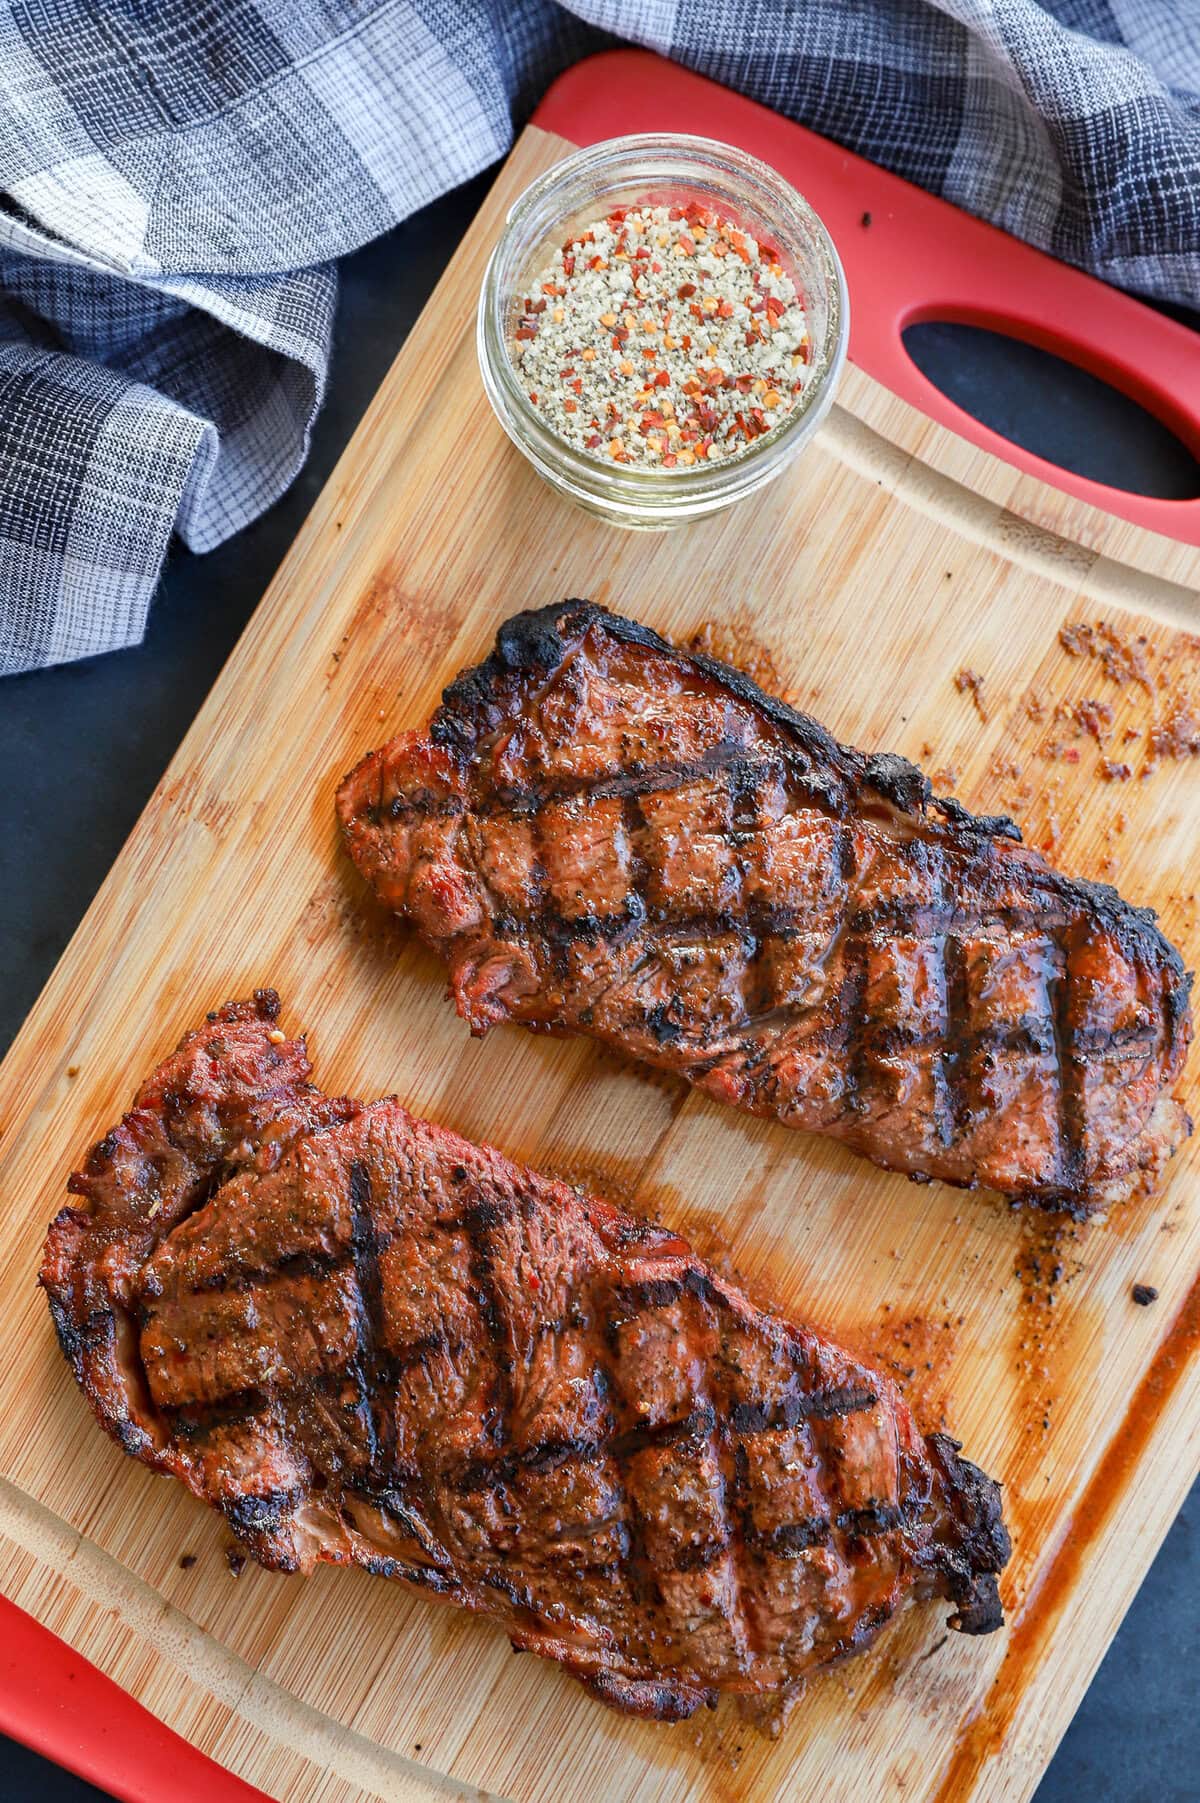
x: 863, y: 586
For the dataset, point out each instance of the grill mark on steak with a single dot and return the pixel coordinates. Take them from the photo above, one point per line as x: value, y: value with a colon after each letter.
x: 818, y: 1405
x: 788, y: 1539
x: 255, y: 1276
x: 634, y: 1564
x: 955, y: 1062
x: 634, y: 822
x: 364, y: 1251
x: 575, y: 1431
x: 191, y: 1421
x: 849, y: 1009
x: 870, y: 1521
x: 578, y: 705
x: 201, y: 1421
x: 728, y: 758
x: 478, y: 1222
x: 1071, y: 1124
x: 703, y: 1555
x: 703, y: 1304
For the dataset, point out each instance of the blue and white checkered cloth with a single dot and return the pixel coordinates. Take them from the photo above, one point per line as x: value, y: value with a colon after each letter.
x: 178, y: 180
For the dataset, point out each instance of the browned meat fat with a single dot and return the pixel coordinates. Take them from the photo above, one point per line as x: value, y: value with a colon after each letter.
x: 603, y: 834
x: 368, y: 1341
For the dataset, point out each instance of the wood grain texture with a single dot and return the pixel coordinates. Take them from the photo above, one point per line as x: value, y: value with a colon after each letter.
x: 859, y: 585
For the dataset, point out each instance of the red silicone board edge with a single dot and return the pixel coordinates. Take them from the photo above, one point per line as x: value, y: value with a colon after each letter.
x: 920, y: 259
x: 56, y: 1702
x: 940, y: 263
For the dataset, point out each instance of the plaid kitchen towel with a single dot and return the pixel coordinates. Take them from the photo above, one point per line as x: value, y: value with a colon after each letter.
x: 179, y: 177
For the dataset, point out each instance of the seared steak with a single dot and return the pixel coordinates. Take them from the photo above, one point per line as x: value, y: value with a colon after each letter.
x: 366, y: 1340
x: 603, y: 834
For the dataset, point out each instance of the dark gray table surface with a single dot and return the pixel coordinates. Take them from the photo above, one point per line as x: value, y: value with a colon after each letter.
x: 82, y: 747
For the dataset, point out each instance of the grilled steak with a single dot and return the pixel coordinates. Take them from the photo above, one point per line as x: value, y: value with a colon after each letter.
x: 603, y: 834
x: 366, y: 1340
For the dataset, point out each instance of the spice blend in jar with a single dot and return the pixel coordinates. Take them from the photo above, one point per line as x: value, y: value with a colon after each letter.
x: 663, y: 336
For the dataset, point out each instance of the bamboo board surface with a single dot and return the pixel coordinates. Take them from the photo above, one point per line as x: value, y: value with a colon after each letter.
x: 860, y: 585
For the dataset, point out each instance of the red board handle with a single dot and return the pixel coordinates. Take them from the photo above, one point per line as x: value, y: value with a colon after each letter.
x: 54, y: 1701
x: 919, y: 259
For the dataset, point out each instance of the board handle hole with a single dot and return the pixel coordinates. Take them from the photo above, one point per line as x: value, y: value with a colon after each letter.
x: 1053, y: 408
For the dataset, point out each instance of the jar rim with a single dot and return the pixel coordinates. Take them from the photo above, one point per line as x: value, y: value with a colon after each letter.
x: 791, y: 219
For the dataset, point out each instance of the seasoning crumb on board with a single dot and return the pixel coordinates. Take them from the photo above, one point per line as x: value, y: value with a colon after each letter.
x: 1123, y: 660
x: 1144, y: 1294
x: 236, y: 1561
x: 1178, y: 735
x: 186, y: 1561
x: 970, y: 682
x: 1156, y: 706
x: 1165, y: 675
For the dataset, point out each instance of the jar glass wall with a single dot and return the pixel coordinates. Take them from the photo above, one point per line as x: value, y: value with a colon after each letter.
x: 658, y: 170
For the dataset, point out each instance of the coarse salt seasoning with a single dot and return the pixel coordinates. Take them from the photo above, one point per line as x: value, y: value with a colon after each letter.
x: 662, y: 336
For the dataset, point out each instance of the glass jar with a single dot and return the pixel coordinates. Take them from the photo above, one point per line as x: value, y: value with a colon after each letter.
x: 657, y: 169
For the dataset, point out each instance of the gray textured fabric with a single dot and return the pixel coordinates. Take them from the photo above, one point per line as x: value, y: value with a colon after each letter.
x: 178, y: 180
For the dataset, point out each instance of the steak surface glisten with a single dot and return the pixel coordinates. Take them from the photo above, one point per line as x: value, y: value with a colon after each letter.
x: 603, y: 834
x: 366, y: 1340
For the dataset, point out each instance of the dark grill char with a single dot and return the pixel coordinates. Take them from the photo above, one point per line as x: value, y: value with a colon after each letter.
x: 602, y: 834
x: 365, y: 1340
